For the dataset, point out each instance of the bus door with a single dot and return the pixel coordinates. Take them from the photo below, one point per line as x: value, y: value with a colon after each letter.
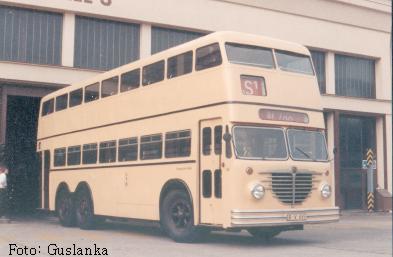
x: 210, y: 171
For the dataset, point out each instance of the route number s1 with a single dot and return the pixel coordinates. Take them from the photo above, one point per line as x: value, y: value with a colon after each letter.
x: 252, y: 85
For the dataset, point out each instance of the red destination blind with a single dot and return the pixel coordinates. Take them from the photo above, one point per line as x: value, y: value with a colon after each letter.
x: 252, y: 85
x: 277, y: 115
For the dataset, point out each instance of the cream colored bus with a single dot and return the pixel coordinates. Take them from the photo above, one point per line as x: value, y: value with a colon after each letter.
x: 223, y: 132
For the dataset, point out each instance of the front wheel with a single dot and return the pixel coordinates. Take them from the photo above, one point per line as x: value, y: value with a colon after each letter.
x: 84, y: 210
x: 177, y: 217
x: 262, y: 233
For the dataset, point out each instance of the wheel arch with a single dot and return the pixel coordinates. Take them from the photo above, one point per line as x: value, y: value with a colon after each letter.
x: 174, y: 184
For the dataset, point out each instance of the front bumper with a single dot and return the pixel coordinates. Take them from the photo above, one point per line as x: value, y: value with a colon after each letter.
x: 268, y: 218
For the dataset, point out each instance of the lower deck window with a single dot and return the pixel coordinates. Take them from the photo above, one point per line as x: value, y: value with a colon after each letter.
x: 177, y: 144
x: 60, y: 157
x: 89, y: 154
x: 151, y: 147
x: 128, y: 149
x: 108, y: 151
x: 74, y: 155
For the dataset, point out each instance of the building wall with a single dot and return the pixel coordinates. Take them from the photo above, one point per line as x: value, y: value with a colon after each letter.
x: 351, y: 27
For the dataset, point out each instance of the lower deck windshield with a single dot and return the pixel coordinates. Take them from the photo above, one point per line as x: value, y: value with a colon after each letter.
x: 273, y: 143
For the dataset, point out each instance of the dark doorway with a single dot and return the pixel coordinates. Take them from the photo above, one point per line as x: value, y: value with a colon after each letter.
x: 21, y: 131
x: 357, y: 134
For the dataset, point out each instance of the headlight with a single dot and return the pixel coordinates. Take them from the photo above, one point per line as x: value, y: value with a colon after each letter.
x: 258, y: 191
x: 326, y: 191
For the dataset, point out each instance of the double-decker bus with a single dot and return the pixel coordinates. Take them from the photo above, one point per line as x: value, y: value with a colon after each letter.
x: 223, y: 132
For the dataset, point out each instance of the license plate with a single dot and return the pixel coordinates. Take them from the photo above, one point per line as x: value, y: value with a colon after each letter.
x: 296, y: 217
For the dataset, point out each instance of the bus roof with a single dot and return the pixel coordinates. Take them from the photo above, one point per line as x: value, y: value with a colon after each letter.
x: 221, y: 36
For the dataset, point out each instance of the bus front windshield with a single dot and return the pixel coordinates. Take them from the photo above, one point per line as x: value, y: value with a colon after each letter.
x: 260, y: 143
x: 269, y: 143
x: 307, y: 145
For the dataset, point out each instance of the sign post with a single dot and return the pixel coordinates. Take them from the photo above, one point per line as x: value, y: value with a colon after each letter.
x: 370, y: 164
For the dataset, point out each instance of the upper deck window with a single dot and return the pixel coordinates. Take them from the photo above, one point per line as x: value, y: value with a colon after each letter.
x: 110, y: 87
x: 179, y: 65
x: 92, y: 92
x: 76, y: 97
x: 130, y: 80
x: 48, y: 107
x: 250, y: 55
x: 61, y: 102
x: 208, y: 57
x: 294, y: 62
x: 153, y: 73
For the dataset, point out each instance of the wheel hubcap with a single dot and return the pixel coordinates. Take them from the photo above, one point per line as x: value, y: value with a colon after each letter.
x: 181, y: 213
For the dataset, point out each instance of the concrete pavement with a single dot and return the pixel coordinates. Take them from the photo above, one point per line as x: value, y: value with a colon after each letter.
x: 357, y: 234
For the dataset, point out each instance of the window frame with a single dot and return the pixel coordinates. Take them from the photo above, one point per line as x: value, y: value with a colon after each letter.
x: 133, y: 87
x: 260, y: 159
x: 248, y: 46
x: 79, y: 157
x: 103, y: 85
x: 176, y: 139
x: 48, y: 107
x: 293, y: 54
x: 83, y: 153
x: 200, y: 67
x: 73, y: 92
x: 55, y: 159
x: 119, y: 146
x: 107, y: 147
x: 142, y: 144
x: 66, y: 102
x: 87, y: 100
x: 185, y: 54
x: 147, y: 72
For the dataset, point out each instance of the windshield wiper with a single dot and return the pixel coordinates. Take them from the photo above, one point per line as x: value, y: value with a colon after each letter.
x: 303, y: 152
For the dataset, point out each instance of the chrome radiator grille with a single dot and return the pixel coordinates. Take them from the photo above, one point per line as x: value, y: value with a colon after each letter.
x: 292, y: 188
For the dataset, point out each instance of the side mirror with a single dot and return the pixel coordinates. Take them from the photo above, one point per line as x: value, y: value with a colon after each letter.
x: 227, y: 137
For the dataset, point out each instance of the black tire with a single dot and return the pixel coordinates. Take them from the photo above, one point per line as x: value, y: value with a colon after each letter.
x: 263, y: 233
x: 177, y: 217
x: 84, y: 210
x: 65, y: 209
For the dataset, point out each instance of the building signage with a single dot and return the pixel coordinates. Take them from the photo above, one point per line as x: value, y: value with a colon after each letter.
x: 102, y: 2
x: 268, y: 114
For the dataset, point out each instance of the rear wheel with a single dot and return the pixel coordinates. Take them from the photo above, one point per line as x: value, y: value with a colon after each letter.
x: 177, y: 217
x: 65, y: 209
x: 262, y: 233
x: 84, y: 210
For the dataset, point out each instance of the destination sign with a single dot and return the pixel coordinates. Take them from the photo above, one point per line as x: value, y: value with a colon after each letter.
x: 278, y: 115
x: 102, y: 2
x: 252, y: 85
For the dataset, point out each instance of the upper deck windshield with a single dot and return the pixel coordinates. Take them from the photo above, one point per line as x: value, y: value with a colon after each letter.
x: 263, y: 57
x: 250, y: 55
x: 269, y: 143
x: 294, y: 62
